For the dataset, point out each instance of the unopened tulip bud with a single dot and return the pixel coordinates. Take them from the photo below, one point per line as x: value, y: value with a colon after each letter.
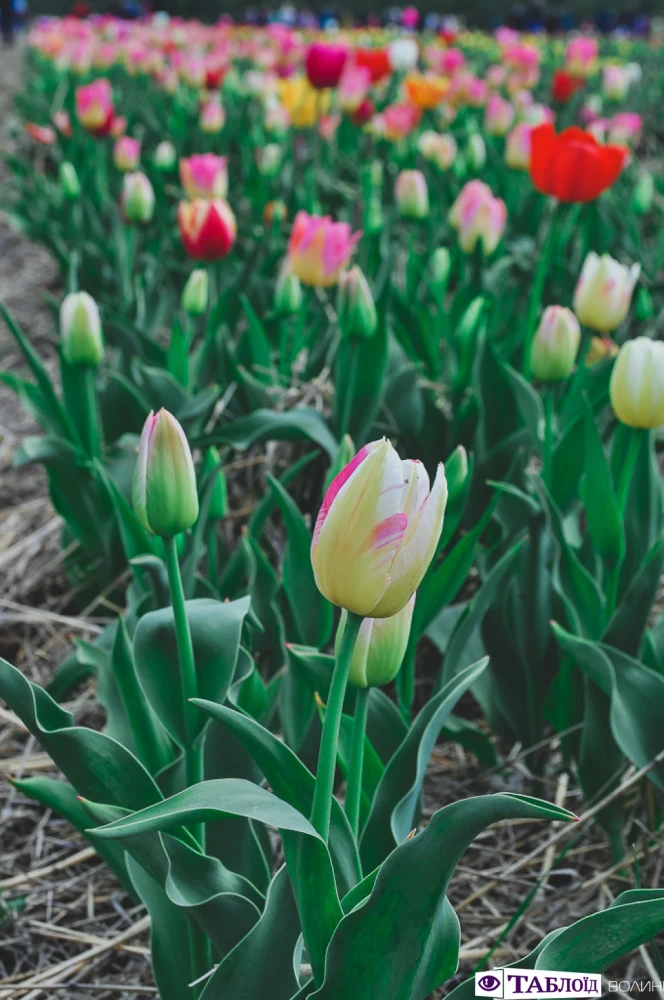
x: 604, y: 291
x: 287, y: 291
x: 355, y: 305
x: 600, y: 348
x: 80, y: 330
x: 164, y: 491
x: 554, y: 348
x: 644, y: 193
x: 126, y: 153
x: 377, y: 531
x: 275, y: 211
x: 269, y: 159
x: 137, y: 198
x: 69, y: 182
x: 476, y: 152
x: 441, y: 263
x: 218, y: 507
x: 411, y: 194
x: 380, y: 647
x: 637, y: 383
x: 195, y: 293
x: 165, y: 156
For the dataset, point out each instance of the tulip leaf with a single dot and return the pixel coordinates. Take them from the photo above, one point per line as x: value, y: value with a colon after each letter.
x: 393, y: 809
x: 626, y: 629
x: 599, y: 498
x: 99, y: 768
x: 271, y: 425
x: 529, y: 403
x: 261, y: 965
x: 360, y: 373
x: 312, y: 613
x: 215, y: 632
x: 288, y: 777
x: 405, y: 951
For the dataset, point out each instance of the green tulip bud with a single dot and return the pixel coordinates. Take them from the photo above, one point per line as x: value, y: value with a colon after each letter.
x: 441, y: 263
x: 644, y: 192
x: 380, y: 647
x: 80, y: 330
x: 219, y: 500
x: 355, y: 305
x: 69, y: 182
x: 287, y: 292
x: 195, y: 293
x: 137, y: 198
x: 165, y: 156
x: 411, y: 194
x: 476, y: 153
x: 554, y: 348
x: 164, y: 491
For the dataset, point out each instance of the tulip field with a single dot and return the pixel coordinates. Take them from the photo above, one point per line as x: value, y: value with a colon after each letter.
x: 341, y: 673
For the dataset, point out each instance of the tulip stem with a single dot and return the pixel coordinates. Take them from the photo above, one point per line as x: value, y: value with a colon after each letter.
x: 193, y: 755
x: 623, y: 484
x: 537, y: 289
x: 356, y: 762
x: 212, y: 560
x: 327, y: 757
x: 547, y: 447
x: 89, y: 399
x: 348, y: 352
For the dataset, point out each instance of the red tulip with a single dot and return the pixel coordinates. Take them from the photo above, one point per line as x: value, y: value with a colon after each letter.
x: 325, y: 64
x: 207, y: 228
x: 363, y: 112
x: 564, y: 86
x: 377, y: 61
x: 573, y: 166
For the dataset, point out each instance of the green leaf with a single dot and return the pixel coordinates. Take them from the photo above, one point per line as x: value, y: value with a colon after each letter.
x: 361, y: 364
x: 529, y: 402
x: 216, y: 628
x: 262, y: 964
x: 626, y: 629
x: 599, y: 498
x: 403, y: 942
x: 395, y: 803
x: 312, y: 613
x: 271, y: 425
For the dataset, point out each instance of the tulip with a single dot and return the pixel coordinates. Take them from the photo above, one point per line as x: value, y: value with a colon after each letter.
x: 118, y: 126
x: 304, y: 104
x: 573, y: 166
x: 287, y: 291
x: 204, y: 176
x: 425, y: 91
x: 126, y: 153
x: 325, y: 63
x: 164, y: 491
x: 377, y: 61
x: 137, y: 198
x: 269, y: 159
x: 212, y: 117
x: 195, y: 293
x: 517, y: 147
x: 94, y: 107
x: 69, y: 182
x: 600, y: 348
x: 165, y: 156
x: 499, y: 115
x: 637, y: 383
x: 43, y: 134
x: 604, y: 291
x: 275, y: 211
x: 555, y: 345
x: 441, y: 265
x: 403, y: 54
x: 353, y: 88
x: 380, y: 647
x: 478, y: 216
x: 377, y: 532
x: 62, y: 122
x: 319, y: 249
x: 356, y: 309
x: 581, y: 56
x: 615, y: 83
x: 207, y: 228
x: 363, y: 113
x: 80, y: 330
x: 411, y: 194
x: 476, y: 151
x: 564, y: 86
x: 400, y: 120
x: 625, y: 127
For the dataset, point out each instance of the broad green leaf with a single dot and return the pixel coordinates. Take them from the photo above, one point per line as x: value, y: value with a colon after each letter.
x: 271, y: 425
x: 626, y: 629
x: 529, y: 403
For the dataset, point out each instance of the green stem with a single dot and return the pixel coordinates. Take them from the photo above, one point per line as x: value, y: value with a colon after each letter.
x: 193, y: 756
x: 346, y: 387
x: 327, y: 758
x: 91, y: 430
x: 538, y: 289
x: 625, y: 476
x: 212, y: 553
x: 547, y: 449
x: 356, y: 763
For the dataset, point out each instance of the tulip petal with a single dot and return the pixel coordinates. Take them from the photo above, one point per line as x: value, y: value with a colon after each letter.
x: 416, y: 551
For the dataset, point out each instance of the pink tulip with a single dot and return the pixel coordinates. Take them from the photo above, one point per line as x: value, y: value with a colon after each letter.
x: 625, y: 127
x: 478, y: 216
x: 517, y: 146
x: 126, y: 153
x: 499, y: 115
x: 353, y: 88
x: 581, y: 56
x: 212, y: 118
x: 205, y: 176
x: 400, y: 120
x: 94, y: 107
x: 319, y: 249
x: 325, y: 64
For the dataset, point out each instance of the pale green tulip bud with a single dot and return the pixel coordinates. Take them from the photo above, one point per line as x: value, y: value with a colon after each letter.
x: 380, y: 647
x: 219, y: 500
x: 195, y: 293
x: 165, y: 156
x: 644, y: 192
x: 80, y: 330
x: 441, y: 263
x: 355, y: 305
x: 164, y: 491
x: 637, y: 383
x: 411, y: 194
x: 287, y: 291
x: 269, y: 159
x: 476, y: 153
x: 69, y: 182
x: 554, y: 348
x: 137, y: 198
